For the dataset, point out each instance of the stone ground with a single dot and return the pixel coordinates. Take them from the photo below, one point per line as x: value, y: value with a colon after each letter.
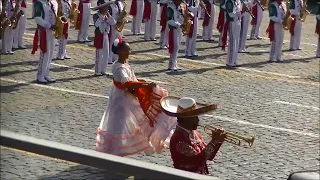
x: 278, y: 103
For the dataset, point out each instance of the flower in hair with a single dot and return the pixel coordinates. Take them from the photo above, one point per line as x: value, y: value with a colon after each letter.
x: 117, y: 42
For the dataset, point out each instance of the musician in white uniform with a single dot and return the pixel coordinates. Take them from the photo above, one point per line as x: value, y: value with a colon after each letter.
x: 150, y: 19
x: 275, y: 29
x: 245, y: 20
x: 136, y: 10
x: 257, y: 11
x: 62, y: 50
x: 191, y: 40
x: 45, y: 17
x: 83, y: 20
x: 7, y: 39
x: 208, y: 21
x: 114, y: 9
x: 232, y: 28
x: 164, y: 25
x: 296, y: 25
x: 21, y: 27
x: 221, y: 20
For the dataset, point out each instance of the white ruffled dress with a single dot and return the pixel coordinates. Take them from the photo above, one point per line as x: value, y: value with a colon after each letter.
x: 124, y: 129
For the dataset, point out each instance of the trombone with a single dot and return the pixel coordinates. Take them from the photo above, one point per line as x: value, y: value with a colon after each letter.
x: 230, y: 137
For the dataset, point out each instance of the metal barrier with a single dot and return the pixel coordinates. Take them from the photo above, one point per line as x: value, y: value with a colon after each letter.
x: 111, y: 163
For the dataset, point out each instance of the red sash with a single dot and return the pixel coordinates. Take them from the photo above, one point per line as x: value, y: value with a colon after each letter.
x: 206, y: 17
x: 192, y: 27
x: 293, y: 24
x: 79, y: 20
x: 147, y: 11
x: 98, y: 41
x: 65, y: 30
x: 255, y: 13
x: 270, y: 31
x: 171, y: 41
x: 133, y: 8
x: 23, y: 4
x: 149, y: 101
x: 43, y: 40
x: 220, y: 21
x: 225, y: 34
x: 163, y: 19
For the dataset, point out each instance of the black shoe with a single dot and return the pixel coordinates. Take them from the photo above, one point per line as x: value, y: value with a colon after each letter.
x: 237, y: 65
x: 98, y: 75
x: 41, y: 82
x: 49, y: 80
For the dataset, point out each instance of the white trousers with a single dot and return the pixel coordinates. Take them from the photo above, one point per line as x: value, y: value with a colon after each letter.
x: 295, y: 40
x: 151, y: 24
x: 173, y: 61
x: 244, y: 31
x: 207, y: 31
x: 256, y: 28
x: 19, y: 31
x: 318, y: 48
x: 102, y: 56
x: 7, y: 40
x: 233, y: 45
x: 164, y: 37
x: 45, y: 58
x: 83, y: 32
x: 191, y: 42
x: 276, y: 44
x: 137, y: 20
x: 113, y: 35
x: 62, y: 50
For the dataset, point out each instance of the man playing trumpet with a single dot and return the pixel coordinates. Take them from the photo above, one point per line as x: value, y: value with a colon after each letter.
x: 188, y: 150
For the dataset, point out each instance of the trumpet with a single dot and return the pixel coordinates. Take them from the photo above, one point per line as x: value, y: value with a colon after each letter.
x: 230, y: 137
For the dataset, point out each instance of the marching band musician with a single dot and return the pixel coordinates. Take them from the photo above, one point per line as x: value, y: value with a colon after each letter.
x: 45, y: 17
x: 188, y: 150
x: 221, y: 20
x: 33, y: 2
x: 102, y: 22
x: 175, y: 20
x: 136, y: 10
x: 150, y: 19
x: 7, y: 39
x: 275, y: 30
x: 21, y: 27
x: 296, y: 25
x: 232, y: 28
x: 256, y: 22
x: 191, y: 40
x: 318, y: 28
x: 83, y: 20
x: 114, y: 9
x: 164, y: 25
x: 245, y: 20
x: 62, y: 52
x: 208, y: 21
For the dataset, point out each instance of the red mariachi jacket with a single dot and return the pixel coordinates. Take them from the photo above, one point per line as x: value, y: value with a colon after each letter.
x: 190, y: 153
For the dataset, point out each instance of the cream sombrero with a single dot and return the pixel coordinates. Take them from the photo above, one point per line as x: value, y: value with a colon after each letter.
x: 101, y: 3
x: 184, y: 107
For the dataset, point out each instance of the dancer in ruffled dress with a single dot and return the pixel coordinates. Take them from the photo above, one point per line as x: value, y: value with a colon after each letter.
x: 133, y: 121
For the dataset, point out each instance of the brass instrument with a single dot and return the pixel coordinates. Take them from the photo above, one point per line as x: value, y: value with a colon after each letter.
x: 74, y: 12
x: 247, y: 9
x: 60, y: 21
x: 304, y: 12
x: 122, y: 20
x: 186, y: 21
x: 4, y: 20
x: 230, y: 137
x: 287, y: 20
x: 264, y: 4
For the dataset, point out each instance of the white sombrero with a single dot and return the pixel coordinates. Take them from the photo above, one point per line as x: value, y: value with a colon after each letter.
x: 100, y: 4
x: 184, y: 107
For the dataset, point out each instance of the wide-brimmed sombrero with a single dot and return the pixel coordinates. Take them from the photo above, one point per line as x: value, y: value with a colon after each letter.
x: 101, y: 3
x: 184, y: 107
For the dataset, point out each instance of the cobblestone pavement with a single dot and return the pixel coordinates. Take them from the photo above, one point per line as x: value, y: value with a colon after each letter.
x: 278, y: 103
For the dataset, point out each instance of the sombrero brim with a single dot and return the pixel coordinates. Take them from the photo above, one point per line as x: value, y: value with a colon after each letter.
x: 169, y: 105
x: 102, y: 5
